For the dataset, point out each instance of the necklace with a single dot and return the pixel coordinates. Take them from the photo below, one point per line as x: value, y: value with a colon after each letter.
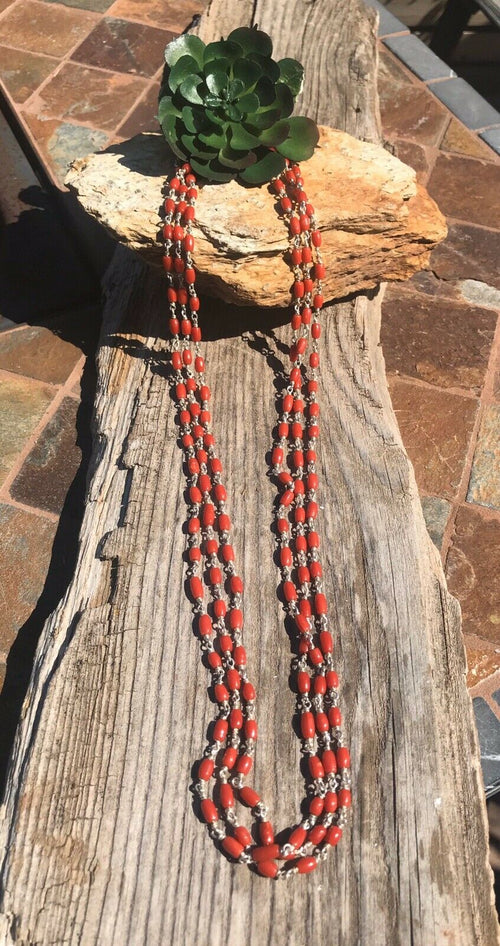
x: 228, y: 758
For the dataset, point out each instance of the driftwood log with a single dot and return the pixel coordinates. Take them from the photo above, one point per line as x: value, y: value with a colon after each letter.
x: 377, y: 223
x: 101, y: 843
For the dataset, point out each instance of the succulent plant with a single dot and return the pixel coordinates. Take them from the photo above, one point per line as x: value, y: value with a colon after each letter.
x: 226, y: 107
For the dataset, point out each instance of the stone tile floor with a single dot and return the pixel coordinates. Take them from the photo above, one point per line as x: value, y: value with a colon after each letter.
x: 83, y: 73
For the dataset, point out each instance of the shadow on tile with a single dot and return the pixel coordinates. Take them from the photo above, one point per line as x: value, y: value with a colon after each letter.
x: 60, y: 573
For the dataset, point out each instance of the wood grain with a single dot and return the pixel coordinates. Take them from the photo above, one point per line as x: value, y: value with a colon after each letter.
x: 102, y: 845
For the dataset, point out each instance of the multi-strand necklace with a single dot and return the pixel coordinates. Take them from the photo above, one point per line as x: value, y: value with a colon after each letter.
x: 215, y: 587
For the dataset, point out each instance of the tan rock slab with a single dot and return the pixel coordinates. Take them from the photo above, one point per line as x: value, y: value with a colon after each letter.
x: 377, y: 222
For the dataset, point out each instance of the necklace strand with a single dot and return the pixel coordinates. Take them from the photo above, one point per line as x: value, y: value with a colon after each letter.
x: 229, y: 755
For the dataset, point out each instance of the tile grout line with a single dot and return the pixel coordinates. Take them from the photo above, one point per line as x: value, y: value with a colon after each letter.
x: 48, y: 414
x: 32, y: 510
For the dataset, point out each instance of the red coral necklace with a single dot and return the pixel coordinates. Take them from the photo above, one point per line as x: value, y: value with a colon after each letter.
x: 228, y: 758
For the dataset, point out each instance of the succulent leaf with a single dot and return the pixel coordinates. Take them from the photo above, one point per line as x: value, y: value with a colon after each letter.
x: 292, y: 75
x: 252, y: 40
x: 189, y: 89
x: 236, y: 159
x: 302, y: 139
x: 270, y: 165
x: 185, y: 45
x: 184, y: 67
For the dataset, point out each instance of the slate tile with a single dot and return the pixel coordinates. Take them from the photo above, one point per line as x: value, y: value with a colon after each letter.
x: 462, y: 141
x: 481, y: 662
x: 467, y: 189
x: 22, y: 405
x: 468, y: 253
x: 427, y: 282
x: 492, y: 138
x: 88, y: 95
x: 488, y: 728
x: 436, y: 428
x: 473, y: 574
x: 22, y: 72
x: 48, y: 471
x: 447, y: 345
x: 33, y: 26
x: 407, y: 109
x: 388, y: 23
x: 123, y: 46
x: 467, y: 104
x: 36, y: 352
x: 26, y: 542
x: 436, y: 512
x: 415, y: 156
x: 419, y: 58
x: 168, y: 14
x: 143, y: 116
x: 484, y: 484
x: 63, y: 142
x: 99, y: 6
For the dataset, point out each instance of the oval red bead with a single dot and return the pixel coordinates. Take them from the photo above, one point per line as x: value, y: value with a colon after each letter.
x: 227, y: 552
x: 209, y: 811
x: 229, y: 757
x: 214, y: 661
x: 333, y: 835
x: 303, y: 623
x: 331, y: 802
x: 315, y: 767
x: 243, y: 835
x: 343, y: 758
x: 226, y: 795
x: 307, y: 727
x: 266, y: 833
x: 235, y: 617
x: 335, y: 716
x: 232, y: 847
x: 220, y: 730
x: 219, y: 608
x: 320, y: 604
x: 332, y: 680
x: 267, y: 869
x: 326, y: 642
x: 248, y: 691
x: 205, y: 769
x: 297, y: 837
x: 249, y: 796
x: 221, y: 693
x: 196, y: 587
x: 329, y: 761
x: 345, y: 798
x: 289, y: 591
x: 236, y: 719
x: 265, y: 853
x: 244, y: 764
x: 317, y: 834
x: 303, y: 682
x: 320, y: 684
x: 233, y: 679
x: 306, y: 865
x: 286, y: 557
x: 204, y: 624
x: 316, y: 806
x: 240, y: 656
x: 322, y: 724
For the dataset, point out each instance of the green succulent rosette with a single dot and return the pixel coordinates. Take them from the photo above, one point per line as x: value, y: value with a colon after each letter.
x: 226, y: 107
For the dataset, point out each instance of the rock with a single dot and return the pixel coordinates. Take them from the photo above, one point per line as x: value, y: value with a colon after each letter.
x: 377, y: 222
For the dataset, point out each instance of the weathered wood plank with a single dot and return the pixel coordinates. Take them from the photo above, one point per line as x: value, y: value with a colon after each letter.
x: 101, y: 844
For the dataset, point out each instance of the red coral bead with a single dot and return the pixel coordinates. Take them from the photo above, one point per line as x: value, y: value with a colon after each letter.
x: 244, y: 764
x: 326, y: 642
x: 224, y: 522
x: 220, y: 730
x: 286, y: 557
x: 267, y: 869
x: 332, y: 680
x: 206, y: 769
x: 316, y: 806
x: 315, y: 767
x: 251, y: 729
x: 303, y: 682
x: 307, y: 725
x: 209, y: 811
x: 266, y: 832
x: 219, y: 608
x: 306, y: 865
x: 196, y: 587
x: 232, y: 847
x: 322, y: 724
x: 335, y: 716
x: 233, y: 679
x: 248, y: 692
x: 320, y: 684
x: 331, y: 802
x: 227, y: 552
x: 235, y: 619
x: 236, y: 719
x: 303, y: 624
x: 317, y: 834
x: 194, y: 303
x: 249, y: 796
x: 226, y: 795
x: 204, y: 624
x: 221, y: 693
x: 315, y: 656
x: 208, y: 519
x: 189, y: 274
x: 329, y: 761
x: 229, y: 757
x: 297, y: 837
x: 320, y: 604
x: 236, y: 585
x: 289, y: 591
x: 194, y: 525
x: 240, y: 656
x: 243, y: 835
x: 343, y: 758
x: 333, y: 835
